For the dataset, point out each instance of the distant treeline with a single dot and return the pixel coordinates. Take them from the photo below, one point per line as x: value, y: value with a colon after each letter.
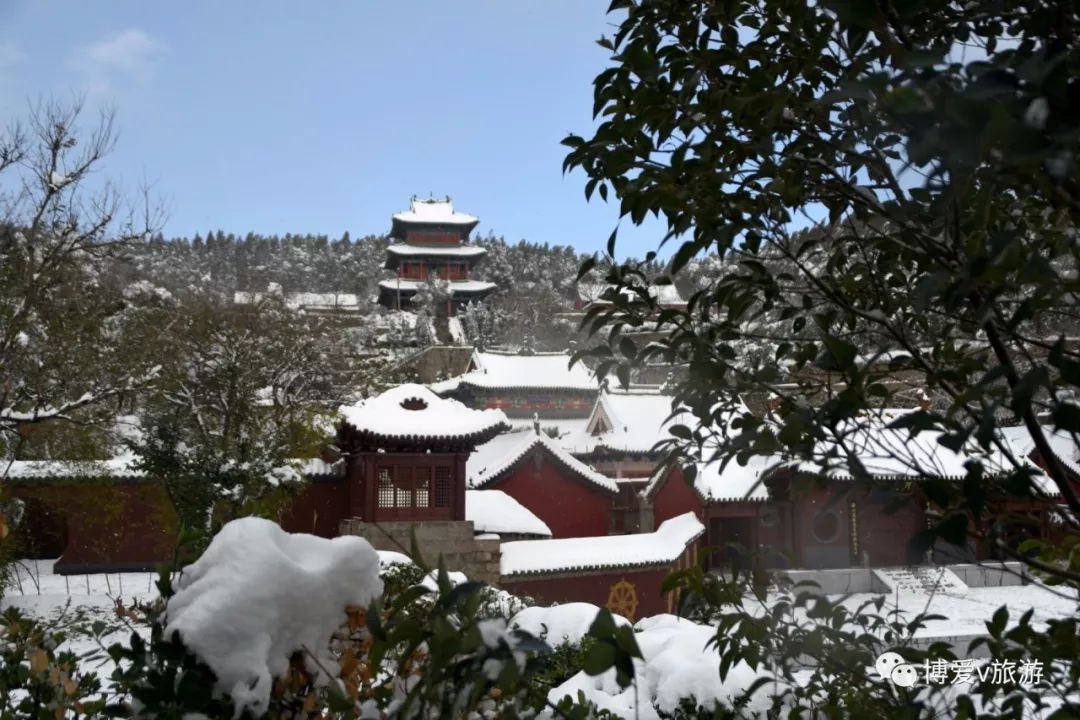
x: 220, y: 262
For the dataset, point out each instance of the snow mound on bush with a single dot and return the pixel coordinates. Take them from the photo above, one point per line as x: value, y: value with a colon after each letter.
x: 678, y: 662
x: 560, y: 624
x: 259, y: 594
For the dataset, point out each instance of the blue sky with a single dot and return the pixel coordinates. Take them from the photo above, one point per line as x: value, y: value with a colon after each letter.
x: 324, y: 117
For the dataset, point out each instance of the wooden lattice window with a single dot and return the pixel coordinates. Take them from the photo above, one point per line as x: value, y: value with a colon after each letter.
x: 403, y: 487
x: 422, y: 487
x: 442, y: 486
x: 386, y: 488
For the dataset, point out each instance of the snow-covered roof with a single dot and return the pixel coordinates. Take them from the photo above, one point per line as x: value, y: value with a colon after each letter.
x: 416, y: 250
x: 886, y: 453
x: 125, y: 466
x: 1065, y: 446
x: 493, y: 511
x: 413, y: 412
x: 665, y: 545
x: 637, y: 419
x: 436, y: 212
x: 628, y: 421
x: 662, y: 294
x: 733, y: 483
x: 561, y: 426
x: 894, y: 454
x: 490, y: 461
x: 464, y: 286
x: 501, y: 370
x: 304, y: 300
x: 122, y: 466
x: 317, y: 466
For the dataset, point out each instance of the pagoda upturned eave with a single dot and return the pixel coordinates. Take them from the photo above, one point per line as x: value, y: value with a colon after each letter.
x: 434, y: 213
x: 431, y: 215
x: 413, y: 415
x: 466, y: 287
x: 461, y: 251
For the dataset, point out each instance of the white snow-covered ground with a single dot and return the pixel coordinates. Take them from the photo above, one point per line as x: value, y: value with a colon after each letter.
x: 84, y: 607
x: 967, y: 611
x: 38, y: 591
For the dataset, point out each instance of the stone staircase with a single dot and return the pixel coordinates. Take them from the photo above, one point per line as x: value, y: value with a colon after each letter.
x: 920, y: 580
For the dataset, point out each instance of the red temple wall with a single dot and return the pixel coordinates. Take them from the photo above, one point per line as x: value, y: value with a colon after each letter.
x: 771, y: 534
x: 101, y: 524
x: 596, y: 588
x: 318, y: 509
x: 674, y: 498
x: 810, y: 551
x: 884, y: 536
x: 599, y: 587
x: 568, y: 506
x: 433, y: 237
x: 420, y: 270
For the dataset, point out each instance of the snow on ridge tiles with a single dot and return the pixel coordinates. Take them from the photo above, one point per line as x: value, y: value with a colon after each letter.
x: 732, y: 483
x: 247, y: 605
x: 665, y: 545
x: 125, y: 466
x: 663, y: 294
x: 503, y: 370
x: 490, y: 460
x: 414, y: 411
x: 434, y: 211
x: 638, y: 420
x: 455, y: 285
x: 891, y: 453
x: 459, y: 251
x: 121, y: 466
x: 635, y: 420
x: 299, y: 300
x: 311, y: 467
x: 498, y: 454
x: 1065, y: 446
x: 493, y: 511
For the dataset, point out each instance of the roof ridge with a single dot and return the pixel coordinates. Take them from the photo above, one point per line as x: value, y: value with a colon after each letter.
x: 517, y: 353
x: 645, y: 390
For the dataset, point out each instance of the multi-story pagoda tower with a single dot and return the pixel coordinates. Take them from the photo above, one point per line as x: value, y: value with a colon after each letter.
x: 430, y: 240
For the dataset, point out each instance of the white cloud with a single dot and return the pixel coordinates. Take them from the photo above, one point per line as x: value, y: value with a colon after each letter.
x: 127, y: 56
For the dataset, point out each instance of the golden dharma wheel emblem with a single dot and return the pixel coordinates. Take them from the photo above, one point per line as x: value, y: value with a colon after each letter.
x: 622, y: 599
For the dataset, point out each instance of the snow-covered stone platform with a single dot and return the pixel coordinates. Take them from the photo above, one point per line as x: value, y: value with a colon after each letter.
x: 966, y: 595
